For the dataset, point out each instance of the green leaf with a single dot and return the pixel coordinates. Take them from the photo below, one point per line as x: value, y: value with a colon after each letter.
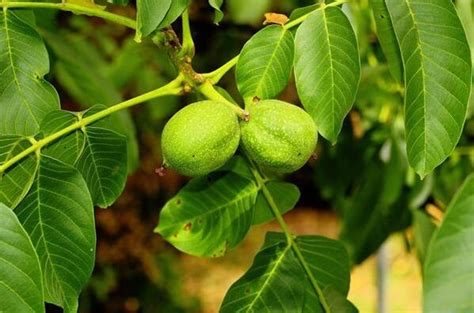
x: 465, y: 11
x: 328, y: 261
x: 387, y: 39
x: 99, y: 153
x: 80, y: 70
x: 437, y: 63
x: 209, y: 215
x: 264, y: 66
x: 177, y: 8
x: 21, y: 284
x: 216, y: 4
x: 272, y: 284
x: 448, y: 269
x: 67, y: 148
x: 25, y: 97
x: 103, y: 164
x: 299, y: 12
x: 337, y: 302
x: 327, y: 68
x: 17, y: 180
x: 285, y: 195
x: 239, y: 166
x: 150, y: 13
x: 58, y: 215
x: 276, y: 281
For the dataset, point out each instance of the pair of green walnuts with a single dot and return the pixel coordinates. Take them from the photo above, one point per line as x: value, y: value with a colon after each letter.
x: 203, y: 136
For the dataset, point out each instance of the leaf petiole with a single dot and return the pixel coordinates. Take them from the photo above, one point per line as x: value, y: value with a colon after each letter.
x: 187, y: 46
x: 215, y: 76
x: 207, y: 89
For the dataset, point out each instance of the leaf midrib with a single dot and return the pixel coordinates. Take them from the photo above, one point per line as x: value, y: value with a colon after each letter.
x: 333, y: 98
x: 269, y: 277
x: 43, y: 237
x: 88, y: 146
x: 423, y: 79
x: 272, y: 57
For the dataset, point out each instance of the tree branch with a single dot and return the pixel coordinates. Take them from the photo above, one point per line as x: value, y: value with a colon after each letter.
x: 73, y: 8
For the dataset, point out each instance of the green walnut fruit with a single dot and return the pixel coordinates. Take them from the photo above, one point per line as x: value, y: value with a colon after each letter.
x: 200, y: 138
x: 279, y: 136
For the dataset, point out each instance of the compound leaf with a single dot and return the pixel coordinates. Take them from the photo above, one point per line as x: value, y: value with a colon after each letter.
x: 327, y: 68
x: 437, y: 63
x: 21, y: 284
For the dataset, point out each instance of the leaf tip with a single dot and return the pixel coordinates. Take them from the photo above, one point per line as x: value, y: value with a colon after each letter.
x: 138, y: 37
x: 422, y: 174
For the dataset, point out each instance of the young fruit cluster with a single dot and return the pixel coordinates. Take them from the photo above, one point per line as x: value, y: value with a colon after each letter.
x: 203, y: 136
